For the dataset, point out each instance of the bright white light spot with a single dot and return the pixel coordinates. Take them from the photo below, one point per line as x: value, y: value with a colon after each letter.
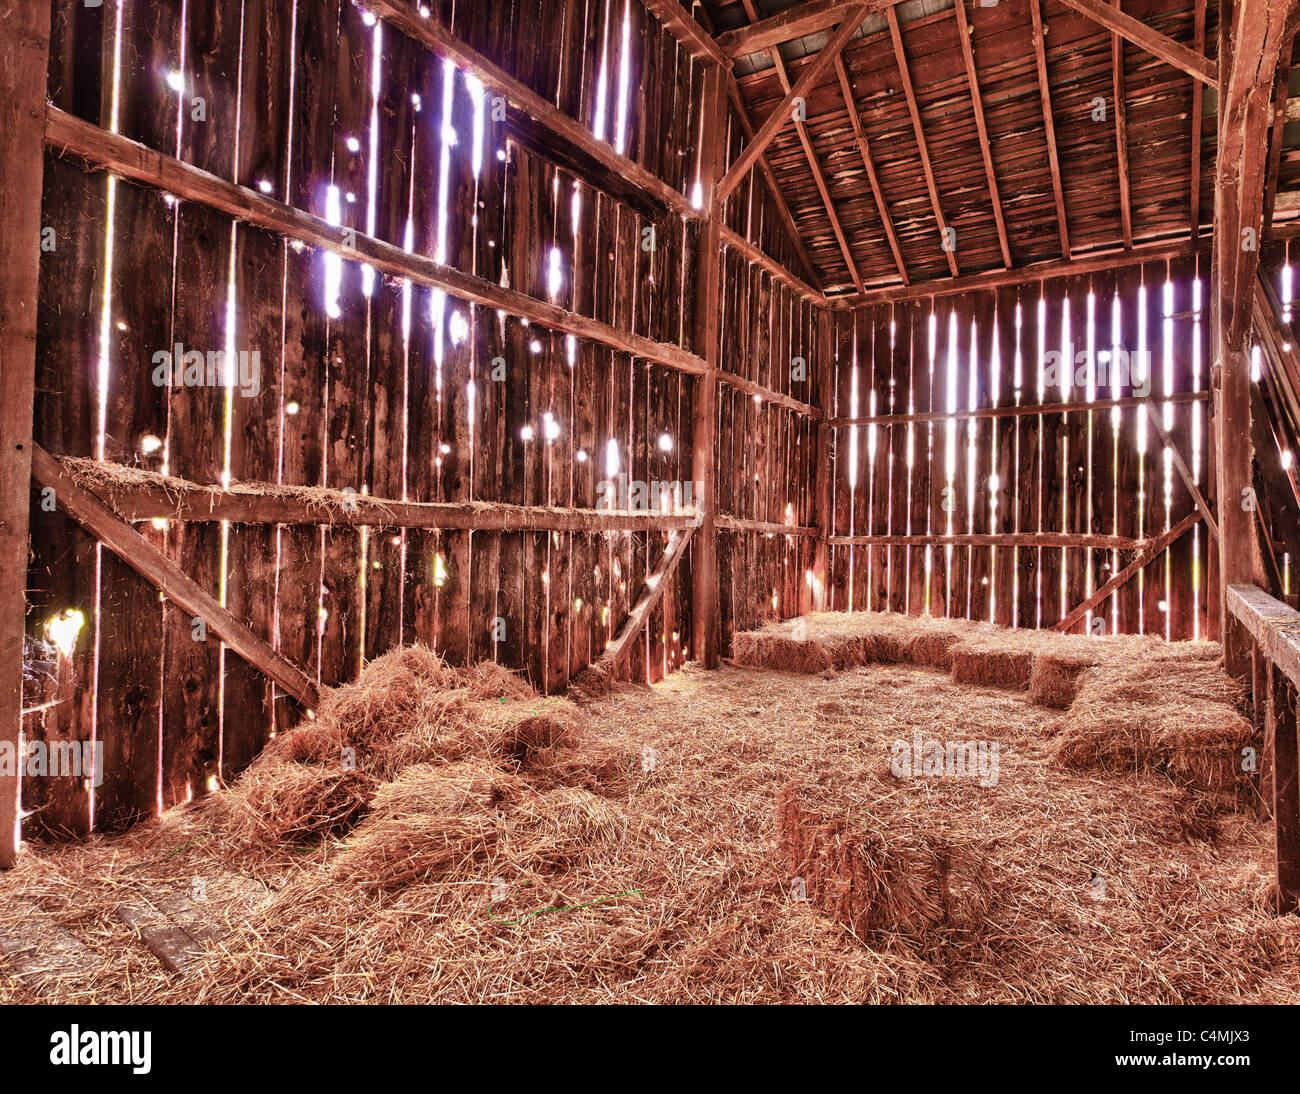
x: 535, y: 346
x: 61, y: 630
x: 697, y: 195
x: 581, y: 457
x: 121, y: 325
x: 352, y: 198
x: 554, y: 273
x: 264, y: 185
x: 501, y: 154
x: 368, y: 18
x: 149, y: 444
x: 439, y: 571
x: 665, y: 443
x: 458, y: 327
x: 416, y: 100
x: 175, y: 81
x: 445, y: 449
x: 1164, y: 606
x: 611, y: 457
x: 354, y: 145
x: 550, y: 427
x: 291, y: 407
x: 1286, y: 459
x: 526, y: 433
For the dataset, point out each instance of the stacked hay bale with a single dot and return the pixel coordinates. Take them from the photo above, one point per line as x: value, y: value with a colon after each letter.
x: 1176, y: 715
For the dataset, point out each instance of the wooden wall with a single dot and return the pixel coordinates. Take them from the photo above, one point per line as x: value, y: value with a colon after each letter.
x: 765, y: 469
x: 375, y: 384
x: 926, y: 504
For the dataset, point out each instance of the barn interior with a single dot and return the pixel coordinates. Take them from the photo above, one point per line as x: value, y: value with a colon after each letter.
x: 649, y: 501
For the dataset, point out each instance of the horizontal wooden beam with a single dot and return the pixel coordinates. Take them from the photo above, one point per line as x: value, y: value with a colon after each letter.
x: 1010, y: 539
x: 160, y: 571
x: 1274, y: 626
x: 1150, y: 550
x: 795, y: 22
x: 763, y: 527
x: 431, y: 34
x: 1158, y: 45
x: 767, y: 395
x: 693, y: 37
x: 67, y: 134
x: 809, y: 79
x: 759, y: 257
x: 140, y: 495
x: 1020, y: 411
x: 1041, y: 271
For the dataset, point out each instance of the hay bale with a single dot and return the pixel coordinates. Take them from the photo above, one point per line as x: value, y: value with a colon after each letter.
x: 388, y: 853
x: 848, y: 651
x: 992, y: 664
x: 1151, y: 680
x: 490, y: 680
x: 451, y: 727
x: 932, y: 649
x: 1196, y: 743
x: 593, y: 765
x: 458, y: 788
x: 517, y: 731
x: 768, y: 649
x: 1054, y: 678
x: 882, y: 881
x: 387, y: 699
x: 284, y: 802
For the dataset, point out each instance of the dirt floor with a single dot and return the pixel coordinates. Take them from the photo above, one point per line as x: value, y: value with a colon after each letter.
x: 557, y: 875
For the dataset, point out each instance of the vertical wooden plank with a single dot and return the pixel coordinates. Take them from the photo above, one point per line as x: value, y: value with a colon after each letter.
x: 982, y: 450
x: 1076, y: 561
x: 24, y: 63
x: 247, y: 715
x: 1103, y: 426
x: 900, y: 476
x: 942, y: 488
x: 1006, y: 435
x: 1058, y: 366
x: 1282, y: 729
x: 704, y: 610
x: 1128, y: 480
x: 1029, y: 484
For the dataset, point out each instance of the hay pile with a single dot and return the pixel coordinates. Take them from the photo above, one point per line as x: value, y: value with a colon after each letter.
x: 484, y: 879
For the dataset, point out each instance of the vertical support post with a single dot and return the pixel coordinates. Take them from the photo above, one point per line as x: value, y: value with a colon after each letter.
x: 1286, y: 787
x: 704, y: 410
x: 1251, y: 37
x: 822, y: 462
x: 24, y: 58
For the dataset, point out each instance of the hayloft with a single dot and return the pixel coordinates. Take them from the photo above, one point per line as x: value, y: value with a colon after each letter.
x: 731, y: 500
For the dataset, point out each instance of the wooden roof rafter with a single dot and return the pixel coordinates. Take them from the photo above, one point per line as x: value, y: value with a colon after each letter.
x: 1280, y: 85
x: 680, y: 23
x: 784, y: 112
x: 1159, y: 45
x: 909, y: 92
x: 794, y: 22
x: 1198, y: 123
x: 773, y: 184
x: 864, y: 150
x: 964, y: 33
x: 810, y: 154
x: 1045, y: 92
x: 1121, y: 134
